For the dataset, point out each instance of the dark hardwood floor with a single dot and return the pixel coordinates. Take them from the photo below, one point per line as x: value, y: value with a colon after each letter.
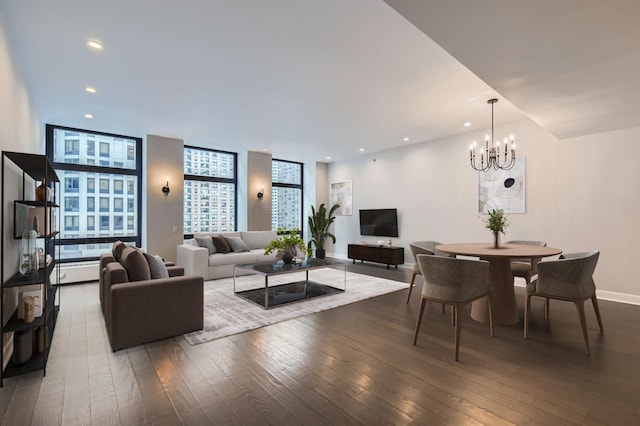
x: 350, y: 365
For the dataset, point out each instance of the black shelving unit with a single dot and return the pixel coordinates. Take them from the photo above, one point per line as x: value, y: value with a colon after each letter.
x: 35, y: 168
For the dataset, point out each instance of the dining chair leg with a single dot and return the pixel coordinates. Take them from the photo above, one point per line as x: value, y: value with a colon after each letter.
x: 423, y: 303
x: 594, y: 301
x: 443, y: 308
x: 454, y: 318
x: 491, y: 328
x: 527, y: 307
x: 546, y: 308
x: 583, y: 323
x: 413, y: 278
x: 456, y: 309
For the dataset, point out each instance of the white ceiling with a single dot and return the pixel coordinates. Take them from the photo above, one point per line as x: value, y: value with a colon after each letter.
x: 304, y: 79
x: 573, y: 66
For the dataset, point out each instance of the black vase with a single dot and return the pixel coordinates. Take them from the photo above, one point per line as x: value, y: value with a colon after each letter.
x: 287, y: 257
x: 320, y: 253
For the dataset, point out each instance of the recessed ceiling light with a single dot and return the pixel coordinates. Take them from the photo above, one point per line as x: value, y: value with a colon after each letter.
x: 328, y: 158
x: 467, y: 124
x: 90, y: 89
x: 361, y: 149
x: 88, y: 115
x: 94, y: 45
x: 405, y: 139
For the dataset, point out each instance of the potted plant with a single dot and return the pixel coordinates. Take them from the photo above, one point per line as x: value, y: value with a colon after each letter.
x: 319, y: 223
x: 496, y: 222
x: 287, y: 244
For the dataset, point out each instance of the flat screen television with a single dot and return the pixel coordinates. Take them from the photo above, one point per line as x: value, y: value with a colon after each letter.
x: 379, y: 222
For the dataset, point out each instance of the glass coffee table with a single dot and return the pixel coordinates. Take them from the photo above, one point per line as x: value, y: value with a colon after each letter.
x: 279, y: 294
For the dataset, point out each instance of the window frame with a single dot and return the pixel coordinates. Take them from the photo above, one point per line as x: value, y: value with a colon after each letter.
x: 202, y: 178
x: 294, y: 186
x: 97, y: 169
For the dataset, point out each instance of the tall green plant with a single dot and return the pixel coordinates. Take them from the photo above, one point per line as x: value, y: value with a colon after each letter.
x: 319, y: 223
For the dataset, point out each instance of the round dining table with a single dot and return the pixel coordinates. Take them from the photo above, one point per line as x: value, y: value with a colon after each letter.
x: 503, y: 296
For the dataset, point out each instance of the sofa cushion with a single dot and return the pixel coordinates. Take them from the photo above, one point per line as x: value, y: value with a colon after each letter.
x: 258, y: 239
x: 222, y: 246
x: 236, y: 244
x: 206, y: 242
x: 135, y: 264
x: 117, y: 248
x: 157, y: 268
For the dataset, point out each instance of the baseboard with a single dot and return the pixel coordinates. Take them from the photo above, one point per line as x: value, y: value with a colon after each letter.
x: 77, y: 273
x: 613, y: 296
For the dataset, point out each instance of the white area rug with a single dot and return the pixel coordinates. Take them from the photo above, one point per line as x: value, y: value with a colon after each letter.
x: 226, y: 314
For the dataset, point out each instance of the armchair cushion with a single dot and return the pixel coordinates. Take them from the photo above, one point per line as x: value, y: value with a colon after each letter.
x: 135, y: 264
x: 117, y: 248
x: 157, y: 268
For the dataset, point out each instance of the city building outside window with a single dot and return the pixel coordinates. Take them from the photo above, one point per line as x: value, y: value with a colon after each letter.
x: 286, y: 195
x: 84, y: 160
x: 210, y: 179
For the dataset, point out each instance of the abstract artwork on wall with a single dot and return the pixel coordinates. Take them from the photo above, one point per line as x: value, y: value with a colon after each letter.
x: 341, y: 193
x: 502, y: 189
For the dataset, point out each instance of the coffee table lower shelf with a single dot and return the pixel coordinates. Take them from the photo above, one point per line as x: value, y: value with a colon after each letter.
x: 282, y: 294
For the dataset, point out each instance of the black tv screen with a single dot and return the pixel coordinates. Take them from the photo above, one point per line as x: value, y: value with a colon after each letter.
x: 379, y: 222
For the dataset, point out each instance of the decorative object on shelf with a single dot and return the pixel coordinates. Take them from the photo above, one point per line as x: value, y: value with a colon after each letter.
x: 22, y: 346
x: 490, y: 157
x: 287, y: 244
x: 40, y: 339
x: 28, y: 253
x: 389, y: 243
x: 319, y: 223
x: 261, y: 193
x: 28, y: 309
x: 496, y: 222
x: 165, y: 189
x: 43, y: 192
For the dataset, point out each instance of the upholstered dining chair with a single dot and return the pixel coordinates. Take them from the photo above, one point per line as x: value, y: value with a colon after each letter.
x: 527, y: 267
x: 422, y: 247
x: 569, y: 278
x: 455, y: 282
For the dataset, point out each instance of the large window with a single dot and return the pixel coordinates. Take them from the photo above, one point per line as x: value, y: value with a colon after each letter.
x: 286, y: 195
x: 210, y: 197
x: 85, y: 236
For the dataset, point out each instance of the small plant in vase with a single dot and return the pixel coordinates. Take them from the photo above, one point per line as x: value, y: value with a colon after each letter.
x: 496, y: 222
x: 287, y: 244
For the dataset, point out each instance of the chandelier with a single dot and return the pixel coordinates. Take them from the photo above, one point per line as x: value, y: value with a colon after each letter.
x: 490, y: 156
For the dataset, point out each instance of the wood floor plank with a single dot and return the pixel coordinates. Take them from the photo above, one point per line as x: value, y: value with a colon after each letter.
x: 350, y: 365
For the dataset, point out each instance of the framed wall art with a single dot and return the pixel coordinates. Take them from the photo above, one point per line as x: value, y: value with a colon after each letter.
x: 342, y: 193
x: 502, y: 189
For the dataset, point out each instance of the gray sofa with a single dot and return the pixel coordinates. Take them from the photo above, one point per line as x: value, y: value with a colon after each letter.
x: 196, y: 259
x: 139, y: 309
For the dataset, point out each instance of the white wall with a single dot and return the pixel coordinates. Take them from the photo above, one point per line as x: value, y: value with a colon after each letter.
x: 580, y: 195
x: 19, y: 131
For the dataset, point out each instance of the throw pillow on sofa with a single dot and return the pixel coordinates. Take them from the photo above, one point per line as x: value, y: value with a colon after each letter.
x: 207, y: 243
x: 157, y: 268
x: 134, y: 262
x: 237, y: 245
x: 222, y: 246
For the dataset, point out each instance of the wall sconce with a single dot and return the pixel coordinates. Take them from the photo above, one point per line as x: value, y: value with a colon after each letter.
x: 261, y: 193
x: 166, y: 189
